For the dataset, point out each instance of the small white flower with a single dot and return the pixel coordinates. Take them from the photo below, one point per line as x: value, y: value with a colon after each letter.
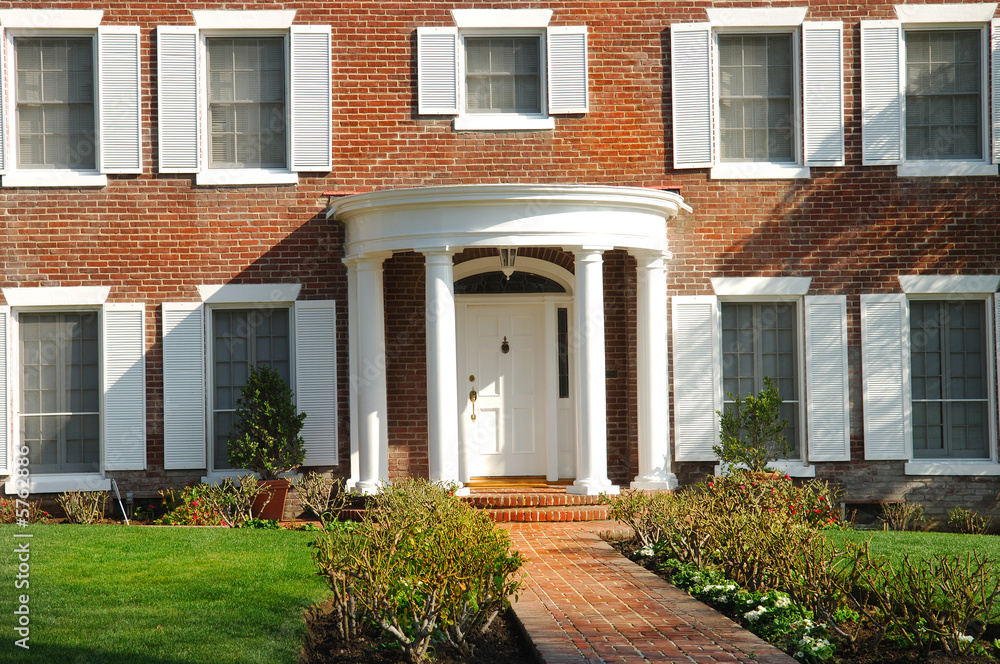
x: 799, y: 654
x: 965, y: 638
x: 646, y: 551
x: 782, y: 601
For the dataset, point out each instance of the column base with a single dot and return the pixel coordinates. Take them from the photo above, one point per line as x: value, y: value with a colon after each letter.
x: 367, y: 488
x: 593, y: 488
x: 656, y: 483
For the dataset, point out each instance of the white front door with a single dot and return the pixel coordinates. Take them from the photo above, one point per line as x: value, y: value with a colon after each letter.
x: 505, y: 364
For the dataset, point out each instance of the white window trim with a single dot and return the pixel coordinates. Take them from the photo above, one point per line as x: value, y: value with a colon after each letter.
x: 232, y: 177
x: 949, y: 284
x: 508, y: 18
x: 62, y: 482
x: 756, y: 17
x: 57, y: 296
x: 965, y: 467
x: 960, y: 16
x: 466, y: 121
x: 51, y: 19
x: 212, y: 473
x: 771, y: 290
x: 790, y: 467
x: 262, y: 19
x: 249, y: 294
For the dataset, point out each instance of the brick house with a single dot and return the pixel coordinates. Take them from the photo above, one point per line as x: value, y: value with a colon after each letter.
x: 695, y: 195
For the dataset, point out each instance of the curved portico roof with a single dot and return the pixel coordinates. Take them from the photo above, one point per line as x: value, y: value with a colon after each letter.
x: 496, y: 215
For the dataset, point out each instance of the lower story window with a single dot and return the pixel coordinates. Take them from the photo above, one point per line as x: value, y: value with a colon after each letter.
x: 60, y: 391
x: 241, y: 337
x: 758, y: 341
x: 948, y: 379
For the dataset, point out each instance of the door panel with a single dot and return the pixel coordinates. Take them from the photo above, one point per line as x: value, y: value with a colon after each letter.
x: 507, y: 436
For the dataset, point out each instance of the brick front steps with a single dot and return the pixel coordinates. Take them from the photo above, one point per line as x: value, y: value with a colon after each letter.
x: 536, y: 504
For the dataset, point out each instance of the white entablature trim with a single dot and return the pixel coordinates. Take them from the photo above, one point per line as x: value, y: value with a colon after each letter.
x: 501, y: 215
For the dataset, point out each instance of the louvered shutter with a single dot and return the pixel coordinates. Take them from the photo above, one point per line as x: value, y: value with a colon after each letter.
x: 124, y: 386
x: 119, y: 99
x: 697, y: 376
x: 437, y: 71
x: 691, y: 92
x: 311, y: 98
x: 995, y: 78
x: 881, y: 93
x: 567, y: 69
x: 184, y: 437
x: 6, y: 440
x: 885, y: 371
x: 823, y: 92
x: 178, y: 99
x: 828, y: 404
x: 316, y: 379
x: 3, y: 104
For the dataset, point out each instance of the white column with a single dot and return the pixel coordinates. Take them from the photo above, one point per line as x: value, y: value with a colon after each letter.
x: 372, y: 419
x: 352, y: 355
x: 592, y: 429
x: 651, y: 369
x: 442, y: 370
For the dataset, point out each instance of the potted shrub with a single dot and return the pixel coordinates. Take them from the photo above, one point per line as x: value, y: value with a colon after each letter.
x: 752, y: 431
x: 265, y: 437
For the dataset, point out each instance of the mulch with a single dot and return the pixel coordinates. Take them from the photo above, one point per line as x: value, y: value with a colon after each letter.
x: 504, y: 643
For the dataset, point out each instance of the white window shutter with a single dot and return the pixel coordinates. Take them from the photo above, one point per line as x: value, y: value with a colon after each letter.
x: 437, y: 71
x: 6, y: 440
x: 316, y: 378
x: 691, y: 92
x: 124, y: 327
x: 881, y: 93
x: 184, y: 403
x: 120, y: 108
x: 697, y: 376
x: 828, y: 402
x: 3, y: 104
x: 178, y: 123
x: 995, y: 78
x: 311, y: 98
x: 885, y: 371
x: 567, y: 69
x: 823, y: 92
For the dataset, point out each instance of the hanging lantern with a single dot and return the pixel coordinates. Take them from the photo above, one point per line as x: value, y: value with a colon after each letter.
x: 507, y: 257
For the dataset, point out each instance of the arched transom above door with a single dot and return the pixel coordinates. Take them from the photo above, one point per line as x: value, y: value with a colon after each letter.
x: 500, y: 215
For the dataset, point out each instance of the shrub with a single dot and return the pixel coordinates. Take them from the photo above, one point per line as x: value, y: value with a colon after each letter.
x: 83, y: 506
x: 966, y: 521
x: 13, y: 509
x: 752, y: 430
x: 227, y: 503
x: 420, y: 566
x: 265, y: 437
x: 902, y: 516
x: 323, y: 495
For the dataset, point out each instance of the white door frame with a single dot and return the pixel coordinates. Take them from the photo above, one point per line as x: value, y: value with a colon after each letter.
x: 552, y: 302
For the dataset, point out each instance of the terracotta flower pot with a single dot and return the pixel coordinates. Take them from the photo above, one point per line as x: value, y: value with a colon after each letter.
x: 273, y: 509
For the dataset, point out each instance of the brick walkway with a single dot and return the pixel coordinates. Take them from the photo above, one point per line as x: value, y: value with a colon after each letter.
x: 583, y: 602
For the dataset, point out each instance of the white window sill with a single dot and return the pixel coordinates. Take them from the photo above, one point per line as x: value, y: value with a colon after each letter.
x: 790, y: 467
x: 944, y: 168
x: 60, y: 483
x: 756, y: 170
x: 230, y: 177
x: 55, y: 178
x: 952, y: 468
x: 503, y: 123
x: 217, y: 476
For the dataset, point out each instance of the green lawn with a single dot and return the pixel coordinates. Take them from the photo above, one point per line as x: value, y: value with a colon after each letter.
x: 144, y: 595
x: 897, y: 544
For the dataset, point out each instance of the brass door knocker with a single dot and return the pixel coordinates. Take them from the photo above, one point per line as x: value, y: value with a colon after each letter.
x: 505, y: 347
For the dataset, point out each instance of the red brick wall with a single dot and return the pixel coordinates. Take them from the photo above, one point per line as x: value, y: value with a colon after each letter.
x: 154, y: 237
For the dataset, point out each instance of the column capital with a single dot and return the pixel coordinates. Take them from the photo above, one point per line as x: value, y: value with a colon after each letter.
x: 438, y: 256
x: 369, y: 261
x: 648, y: 258
x: 585, y: 250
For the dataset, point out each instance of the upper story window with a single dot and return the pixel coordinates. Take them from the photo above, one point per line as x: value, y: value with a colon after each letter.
x: 502, y: 69
x: 925, y: 90
x: 756, y: 105
x: 757, y: 93
x: 70, y: 111
x: 245, y: 98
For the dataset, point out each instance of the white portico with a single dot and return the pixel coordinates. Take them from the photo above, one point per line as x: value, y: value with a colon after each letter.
x: 440, y: 221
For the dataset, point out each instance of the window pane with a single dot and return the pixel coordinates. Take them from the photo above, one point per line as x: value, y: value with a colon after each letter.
x: 943, y: 96
x: 246, y: 88
x: 60, y: 391
x: 755, y: 104
x: 242, y: 337
x: 55, y: 102
x: 502, y: 75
